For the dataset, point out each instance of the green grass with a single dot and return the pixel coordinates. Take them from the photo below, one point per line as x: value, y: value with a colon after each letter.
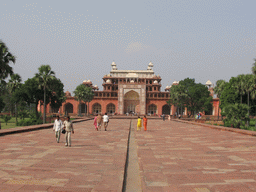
x: 11, y: 123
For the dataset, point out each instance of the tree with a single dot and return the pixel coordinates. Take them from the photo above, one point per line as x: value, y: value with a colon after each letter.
x: 30, y: 93
x: 218, y: 89
x: 235, y: 114
x: 14, y: 84
x: 254, y: 67
x: 5, y: 58
x: 6, y: 118
x: 229, y: 95
x: 43, y: 77
x: 248, y: 88
x: 195, y: 96
x: 88, y: 97
x: 2, y: 104
x: 238, y: 83
x: 56, y: 93
x: 80, y: 95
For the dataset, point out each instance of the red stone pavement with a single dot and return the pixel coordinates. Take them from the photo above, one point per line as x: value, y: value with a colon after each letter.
x: 176, y: 156
x: 34, y: 161
x: 173, y: 156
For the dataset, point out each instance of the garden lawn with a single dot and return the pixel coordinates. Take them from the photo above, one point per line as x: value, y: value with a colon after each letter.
x: 10, y: 124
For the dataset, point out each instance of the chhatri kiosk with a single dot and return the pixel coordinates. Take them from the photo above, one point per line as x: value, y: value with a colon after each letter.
x: 127, y: 91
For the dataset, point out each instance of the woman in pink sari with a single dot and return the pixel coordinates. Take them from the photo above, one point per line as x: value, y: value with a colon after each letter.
x: 95, y: 122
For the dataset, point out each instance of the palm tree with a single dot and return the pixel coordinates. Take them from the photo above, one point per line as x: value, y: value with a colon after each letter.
x: 43, y: 77
x: 254, y: 67
x: 5, y: 58
x: 248, y: 88
x: 14, y: 83
x: 218, y: 90
x: 239, y: 85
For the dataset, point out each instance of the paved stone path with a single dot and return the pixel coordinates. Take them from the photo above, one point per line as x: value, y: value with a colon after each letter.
x: 172, y: 156
x: 33, y: 161
x: 183, y: 157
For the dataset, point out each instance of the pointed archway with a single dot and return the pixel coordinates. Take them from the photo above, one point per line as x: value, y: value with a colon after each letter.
x: 131, y: 102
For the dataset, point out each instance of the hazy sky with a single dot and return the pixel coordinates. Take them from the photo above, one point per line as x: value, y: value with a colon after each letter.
x: 79, y: 39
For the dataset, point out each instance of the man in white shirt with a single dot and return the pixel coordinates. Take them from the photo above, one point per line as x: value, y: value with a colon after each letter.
x: 57, y: 128
x: 105, y: 121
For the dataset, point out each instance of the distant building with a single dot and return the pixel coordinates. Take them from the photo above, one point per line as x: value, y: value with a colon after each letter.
x: 128, y: 91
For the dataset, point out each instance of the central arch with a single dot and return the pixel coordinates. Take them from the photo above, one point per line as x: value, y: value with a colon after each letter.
x: 131, y: 102
x: 166, y: 109
x: 68, y: 108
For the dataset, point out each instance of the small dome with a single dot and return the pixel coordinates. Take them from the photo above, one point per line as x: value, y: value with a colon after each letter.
x: 174, y: 82
x: 167, y: 87
x: 208, y: 83
x: 132, y: 81
x: 84, y: 81
x: 68, y: 93
x: 150, y: 64
x: 95, y: 85
x: 113, y: 64
x: 155, y: 81
x: 109, y: 75
x: 89, y: 81
x: 108, y: 81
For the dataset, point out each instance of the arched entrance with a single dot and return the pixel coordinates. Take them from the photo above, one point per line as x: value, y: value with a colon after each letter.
x: 152, y: 109
x: 83, y: 108
x: 68, y: 108
x: 131, y: 102
x: 166, y: 109
x: 111, y: 108
x: 96, y: 108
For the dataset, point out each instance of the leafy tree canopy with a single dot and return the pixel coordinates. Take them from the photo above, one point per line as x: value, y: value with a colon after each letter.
x: 195, y: 96
x: 5, y: 58
x: 235, y: 113
x: 229, y: 95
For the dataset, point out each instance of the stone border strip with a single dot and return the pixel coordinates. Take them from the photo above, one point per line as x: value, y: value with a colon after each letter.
x: 33, y: 127
x: 126, y: 160
x: 220, y: 128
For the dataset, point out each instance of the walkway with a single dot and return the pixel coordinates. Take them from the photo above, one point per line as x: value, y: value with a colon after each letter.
x: 172, y: 156
x: 33, y: 161
x: 182, y: 157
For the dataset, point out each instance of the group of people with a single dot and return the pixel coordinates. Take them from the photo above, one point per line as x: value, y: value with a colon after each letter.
x: 139, y: 123
x: 99, y: 120
x: 63, y: 127
x: 198, y: 115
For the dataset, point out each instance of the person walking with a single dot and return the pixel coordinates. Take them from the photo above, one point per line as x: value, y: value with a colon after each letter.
x: 145, y: 122
x: 105, y: 121
x: 163, y: 117
x: 57, y: 128
x: 99, y: 121
x: 95, y: 122
x: 139, y: 124
x: 68, y: 126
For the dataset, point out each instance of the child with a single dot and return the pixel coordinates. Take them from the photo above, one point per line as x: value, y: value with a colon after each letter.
x: 145, y: 122
x: 139, y: 124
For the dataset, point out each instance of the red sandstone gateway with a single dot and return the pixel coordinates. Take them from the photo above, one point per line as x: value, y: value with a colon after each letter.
x: 128, y: 92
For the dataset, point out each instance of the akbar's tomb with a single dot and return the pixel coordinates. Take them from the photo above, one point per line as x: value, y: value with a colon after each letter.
x: 126, y: 91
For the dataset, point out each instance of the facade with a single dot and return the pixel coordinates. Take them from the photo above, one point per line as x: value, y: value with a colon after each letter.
x: 127, y: 91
